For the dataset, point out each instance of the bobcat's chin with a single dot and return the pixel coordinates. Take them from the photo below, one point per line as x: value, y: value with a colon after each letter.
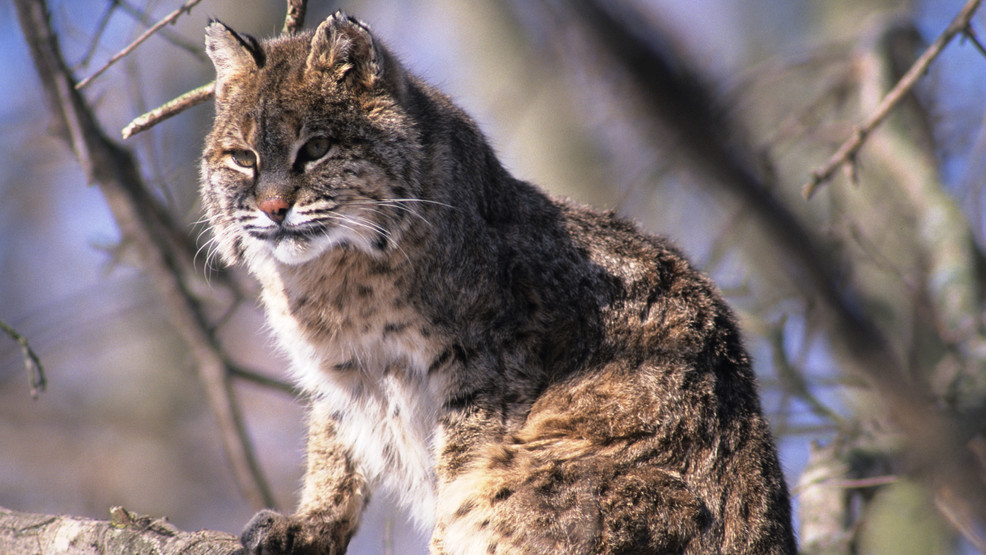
x: 295, y: 251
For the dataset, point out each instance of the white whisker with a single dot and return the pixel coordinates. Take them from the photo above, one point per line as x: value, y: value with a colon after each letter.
x: 378, y: 228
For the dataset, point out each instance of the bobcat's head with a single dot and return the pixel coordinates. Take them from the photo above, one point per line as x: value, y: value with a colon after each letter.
x: 310, y: 150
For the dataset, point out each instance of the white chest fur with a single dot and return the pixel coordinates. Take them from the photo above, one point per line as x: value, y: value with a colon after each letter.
x: 377, y: 388
x: 389, y: 427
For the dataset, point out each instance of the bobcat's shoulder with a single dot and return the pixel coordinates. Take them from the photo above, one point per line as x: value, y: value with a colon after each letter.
x: 523, y: 374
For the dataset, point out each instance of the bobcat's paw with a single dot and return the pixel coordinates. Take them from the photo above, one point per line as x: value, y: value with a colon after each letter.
x: 271, y: 533
x: 267, y: 533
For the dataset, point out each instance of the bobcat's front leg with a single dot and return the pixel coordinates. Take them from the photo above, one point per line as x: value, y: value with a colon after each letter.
x: 333, y: 498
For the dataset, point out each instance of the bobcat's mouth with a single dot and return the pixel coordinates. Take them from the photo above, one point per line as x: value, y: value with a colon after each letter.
x: 280, y: 232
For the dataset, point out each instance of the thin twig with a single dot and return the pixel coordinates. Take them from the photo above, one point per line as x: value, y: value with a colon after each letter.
x: 186, y: 7
x: 94, y: 43
x: 32, y: 362
x: 264, y: 380
x: 959, y: 516
x: 971, y: 36
x: 862, y: 483
x: 847, y: 153
x: 175, y: 39
x: 794, y: 378
x: 171, y: 108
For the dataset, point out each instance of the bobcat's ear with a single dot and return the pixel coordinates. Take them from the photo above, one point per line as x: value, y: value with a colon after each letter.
x: 343, y: 47
x: 232, y: 53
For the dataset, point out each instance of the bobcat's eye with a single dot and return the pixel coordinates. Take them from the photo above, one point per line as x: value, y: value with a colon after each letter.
x: 314, y: 149
x: 244, y: 158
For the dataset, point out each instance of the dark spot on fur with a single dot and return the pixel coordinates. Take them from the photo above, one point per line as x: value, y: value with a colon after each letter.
x: 440, y: 360
x: 239, y: 251
x: 388, y: 452
x: 461, y: 354
x: 502, y: 494
x: 462, y: 401
x: 503, y: 459
x: 364, y: 291
x: 348, y: 366
x: 393, y: 368
x: 465, y: 509
x: 381, y: 242
x: 392, y: 328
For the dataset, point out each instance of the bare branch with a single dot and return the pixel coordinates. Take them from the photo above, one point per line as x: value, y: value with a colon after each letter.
x: 32, y: 362
x: 171, y: 108
x: 846, y: 154
x: 97, y: 35
x: 794, y: 380
x: 186, y: 7
x: 177, y: 40
x: 126, y: 532
x: 266, y: 381
x: 971, y: 36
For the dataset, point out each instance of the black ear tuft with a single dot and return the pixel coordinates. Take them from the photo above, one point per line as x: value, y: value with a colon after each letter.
x: 231, y: 53
x: 343, y: 46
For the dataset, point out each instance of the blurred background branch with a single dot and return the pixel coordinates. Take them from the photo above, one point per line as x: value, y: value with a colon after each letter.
x: 847, y: 151
x: 32, y: 363
x: 163, y: 249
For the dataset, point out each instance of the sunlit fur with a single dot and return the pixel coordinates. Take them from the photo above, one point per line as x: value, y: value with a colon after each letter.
x: 522, y: 374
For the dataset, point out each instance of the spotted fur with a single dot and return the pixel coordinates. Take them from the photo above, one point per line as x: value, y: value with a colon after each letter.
x: 522, y: 374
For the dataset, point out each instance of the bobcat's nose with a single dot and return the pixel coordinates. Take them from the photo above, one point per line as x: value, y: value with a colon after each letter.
x: 276, y: 208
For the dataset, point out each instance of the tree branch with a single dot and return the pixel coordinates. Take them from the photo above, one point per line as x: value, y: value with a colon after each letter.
x: 193, y: 48
x: 186, y: 7
x: 846, y: 154
x: 125, y: 533
x: 144, y: 221
x: 36, y: 372
x: 174, y: 107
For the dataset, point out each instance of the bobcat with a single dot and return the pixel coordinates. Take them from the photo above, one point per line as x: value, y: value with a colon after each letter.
x: 522, y: 374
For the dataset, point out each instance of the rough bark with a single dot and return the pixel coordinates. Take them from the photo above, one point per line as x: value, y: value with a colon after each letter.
x: 125, y: 533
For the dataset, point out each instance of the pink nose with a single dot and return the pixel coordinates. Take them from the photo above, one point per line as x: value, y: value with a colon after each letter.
x: 276, y: 208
